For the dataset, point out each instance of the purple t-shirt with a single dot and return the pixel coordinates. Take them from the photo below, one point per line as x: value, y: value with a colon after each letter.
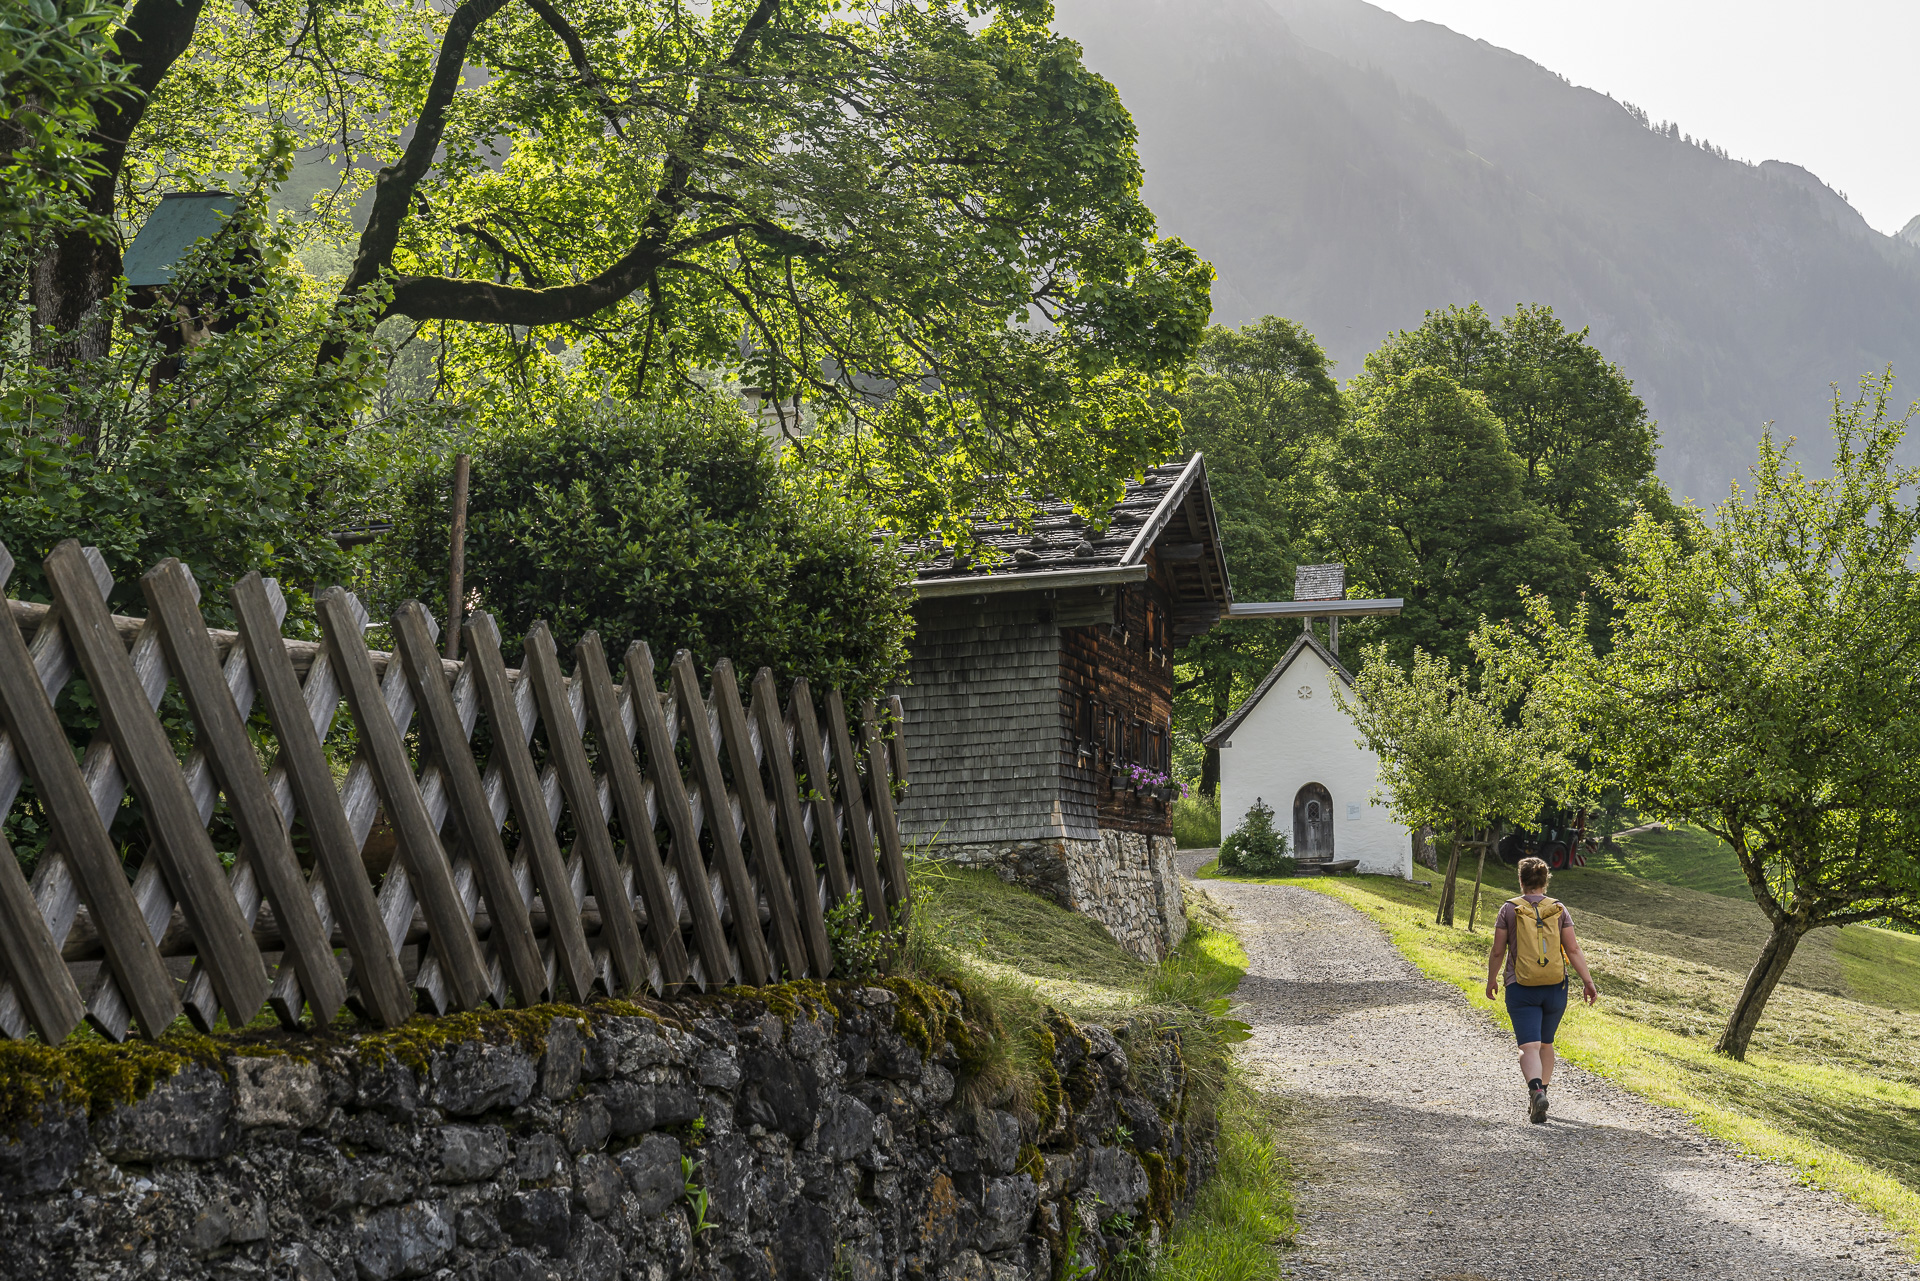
x: 1506, y: 918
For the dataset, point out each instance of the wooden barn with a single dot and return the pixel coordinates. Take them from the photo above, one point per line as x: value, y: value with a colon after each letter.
x: 1041, y: 699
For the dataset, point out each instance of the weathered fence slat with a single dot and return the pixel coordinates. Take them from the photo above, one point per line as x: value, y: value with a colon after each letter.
x: 229, y: 754
x: 49, y: 998
x: 759, y: 821
x: 511, y: 735
x: 429, y: 871
x: 865, y: 868
x: 879, y: 780
x: 826, y: 817
x: 381, y: 984
x: 664, y: 770
x: 53, y: 884
x: 741, y: 896
x: 511, y: 929
x: 618, y: 930
x: 629, y: 797
x: 132, y: 955
x: 777, y: 749
x: 202, y: 1003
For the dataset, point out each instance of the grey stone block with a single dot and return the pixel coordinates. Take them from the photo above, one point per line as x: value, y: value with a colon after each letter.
x: 277, y: 1091
x: 407, y: 1241
x: 541, y: 1219
x: 468, y: 1153
x: 476, y: 1076
x: 186, y: 1117
x: 654, y: 1172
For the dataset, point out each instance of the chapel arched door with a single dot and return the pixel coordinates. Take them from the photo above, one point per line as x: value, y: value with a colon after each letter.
x: 1313, y: 824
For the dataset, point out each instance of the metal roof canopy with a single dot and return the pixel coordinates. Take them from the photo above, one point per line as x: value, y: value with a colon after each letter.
x: 181, y: 219
x: 1314, y: 608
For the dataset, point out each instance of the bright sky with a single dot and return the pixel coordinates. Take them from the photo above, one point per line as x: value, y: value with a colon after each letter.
x: 1828, y: 84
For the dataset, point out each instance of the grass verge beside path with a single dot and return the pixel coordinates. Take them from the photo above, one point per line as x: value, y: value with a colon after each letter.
x: 1803, y: 1097
x: 1024, y: 951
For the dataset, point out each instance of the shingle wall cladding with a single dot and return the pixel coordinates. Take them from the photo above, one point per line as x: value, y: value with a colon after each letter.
x: 986, y: 741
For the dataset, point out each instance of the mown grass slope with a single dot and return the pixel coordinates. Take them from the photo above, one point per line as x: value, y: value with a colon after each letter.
x: 1665, y: 872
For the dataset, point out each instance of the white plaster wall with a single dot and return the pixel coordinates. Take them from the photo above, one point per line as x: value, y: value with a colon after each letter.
x: 1288, y: 741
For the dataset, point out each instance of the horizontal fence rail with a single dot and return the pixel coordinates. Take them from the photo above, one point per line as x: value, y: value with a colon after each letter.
x: 380, y: 863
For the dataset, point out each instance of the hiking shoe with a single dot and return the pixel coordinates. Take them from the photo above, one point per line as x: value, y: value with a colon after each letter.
x: 1537, y: 1106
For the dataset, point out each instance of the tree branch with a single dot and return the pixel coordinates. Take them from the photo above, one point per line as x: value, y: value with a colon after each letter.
x: 577, y: 53
x: 154, y: 36
x: 393, y: 189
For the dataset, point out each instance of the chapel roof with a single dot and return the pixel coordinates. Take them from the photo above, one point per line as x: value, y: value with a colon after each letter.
x: 1307, y: 640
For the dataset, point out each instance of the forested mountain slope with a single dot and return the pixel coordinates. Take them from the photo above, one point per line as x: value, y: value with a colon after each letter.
x: 1350, y: 170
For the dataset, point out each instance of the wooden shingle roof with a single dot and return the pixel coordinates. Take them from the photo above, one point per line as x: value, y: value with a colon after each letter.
x: 1168, y: 511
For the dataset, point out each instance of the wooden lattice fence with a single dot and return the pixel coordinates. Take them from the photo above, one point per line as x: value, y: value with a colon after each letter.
x: 656, y: 892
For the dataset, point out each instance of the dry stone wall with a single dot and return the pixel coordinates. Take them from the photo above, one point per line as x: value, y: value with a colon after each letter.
x: 1127, y: 881
x: 798, y: 1132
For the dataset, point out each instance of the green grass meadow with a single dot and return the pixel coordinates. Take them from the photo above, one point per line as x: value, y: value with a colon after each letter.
x: 1832, y: 1082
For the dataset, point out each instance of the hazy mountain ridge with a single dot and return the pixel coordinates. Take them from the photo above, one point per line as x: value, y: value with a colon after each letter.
x: 1349, y: 169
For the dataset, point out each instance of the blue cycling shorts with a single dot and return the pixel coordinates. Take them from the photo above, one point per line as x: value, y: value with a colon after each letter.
x: 1536, y: 1011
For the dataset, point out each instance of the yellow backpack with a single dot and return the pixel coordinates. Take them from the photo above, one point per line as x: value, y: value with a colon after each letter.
x: 1538, y: 958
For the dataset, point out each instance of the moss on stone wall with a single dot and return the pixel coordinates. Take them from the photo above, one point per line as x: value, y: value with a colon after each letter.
x: 93, y: 1075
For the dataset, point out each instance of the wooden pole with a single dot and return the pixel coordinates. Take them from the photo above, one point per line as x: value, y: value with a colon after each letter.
x: 1479, y: 872
x: 457, y: 560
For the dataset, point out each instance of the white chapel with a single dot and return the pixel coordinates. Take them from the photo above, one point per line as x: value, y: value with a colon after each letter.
x: 1290, y: 745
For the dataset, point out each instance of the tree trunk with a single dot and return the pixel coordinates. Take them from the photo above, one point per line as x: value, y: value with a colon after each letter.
x: 1210, y: 766
x: 66, y: 285
x: 1479, y: 875
x: 1445, y: 915
x: 1760, y: 984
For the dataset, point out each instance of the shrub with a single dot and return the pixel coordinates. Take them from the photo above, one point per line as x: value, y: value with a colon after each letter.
x: 1196, y: 822
x: 671, y: 523
x: 1255, y: 847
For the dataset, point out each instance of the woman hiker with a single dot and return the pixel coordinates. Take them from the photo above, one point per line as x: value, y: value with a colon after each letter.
x: 1534, y: 935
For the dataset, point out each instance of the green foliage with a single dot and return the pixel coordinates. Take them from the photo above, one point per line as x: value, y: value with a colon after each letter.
x: 1430, y: 505
x: 1758, y: 685
x: 858, y: 948
x: 1456, y: 754
x: 203, y: 454
x: 1196, y: 822
x: 1256, y: 847
x: 1261, y: 404
x: 55, y: 66
x: 696, y: 1196
x: 862, y: 208
x: 674, y: 524
x: 1580, y: 434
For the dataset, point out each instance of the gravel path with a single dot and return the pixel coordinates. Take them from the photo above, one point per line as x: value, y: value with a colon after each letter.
x: 1414, y: 1159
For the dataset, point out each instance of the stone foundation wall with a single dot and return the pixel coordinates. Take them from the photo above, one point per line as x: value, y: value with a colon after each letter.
x: 798, y: 1132
x: 1125, y: 880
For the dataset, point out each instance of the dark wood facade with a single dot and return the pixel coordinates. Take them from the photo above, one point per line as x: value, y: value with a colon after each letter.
x: 1116, y: 702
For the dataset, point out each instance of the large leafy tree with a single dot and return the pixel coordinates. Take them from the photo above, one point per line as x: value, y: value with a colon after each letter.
x: 1260, y: 402
x: 1762, y: 684
x: 917, y: 224
x: 1582, y: 436
x: 1429, y: 503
